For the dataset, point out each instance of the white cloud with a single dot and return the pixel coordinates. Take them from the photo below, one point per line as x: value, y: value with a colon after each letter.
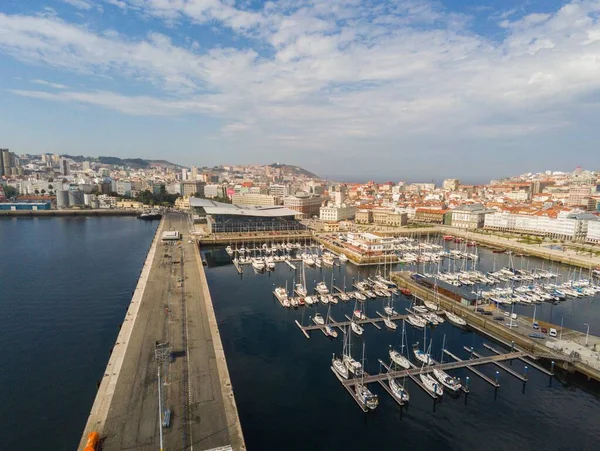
x: 49, y: 84
x: 333, y: 70
x: 79, y: 4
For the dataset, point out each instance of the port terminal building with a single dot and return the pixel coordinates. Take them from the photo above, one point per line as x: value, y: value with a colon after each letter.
x: 228, y: 218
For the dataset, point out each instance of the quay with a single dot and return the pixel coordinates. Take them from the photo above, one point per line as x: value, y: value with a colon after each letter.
x: 568, y: 258
x: 514, y: 338
x: 168, y: 350
x: 67, y: 213
x: 252, y: 237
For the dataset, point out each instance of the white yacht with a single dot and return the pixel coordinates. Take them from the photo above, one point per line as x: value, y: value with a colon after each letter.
x: 310, y: 300
x: 365, y: 396
x: 422, y: 357
x: 327, y: 260
x: 339, y: 367
x: 300, y: 290
x: 359, y: 296
x: 399, y: 359
x: 353, y: 365
x: 229, y: 250
x: 431, y: 306
x: 318, y: 319
x: 451, y: 383
x: 389, y: 310
x: 431, y: 384
x: 344, y: 297
x: 415, y: 321
x: 398, y: 390
x: 270, y: 263
x: 281, y: 294
x: 455, y: 319
x: 343, y: 258
x: 390, y: 324
x: 358, y: 314
x: 258, y: 264
x: 321, y: 288
x: 356, y: 328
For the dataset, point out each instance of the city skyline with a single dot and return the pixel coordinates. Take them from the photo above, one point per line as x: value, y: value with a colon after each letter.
x: 389, y: 90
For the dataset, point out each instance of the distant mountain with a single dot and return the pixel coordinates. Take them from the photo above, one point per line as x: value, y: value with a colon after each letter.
x: 133, y: 162
x: 294, y: 170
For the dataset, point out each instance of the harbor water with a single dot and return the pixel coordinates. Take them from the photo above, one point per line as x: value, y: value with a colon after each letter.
x: 289, y: 399
x: 66, y: 284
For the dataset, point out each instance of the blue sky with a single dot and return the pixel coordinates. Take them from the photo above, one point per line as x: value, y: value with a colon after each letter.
x: 385, y: 89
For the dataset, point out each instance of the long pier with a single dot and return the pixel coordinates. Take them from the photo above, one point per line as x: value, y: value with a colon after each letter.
x: 440, y: 366
x: 343, y: 325
x: 187, y: 373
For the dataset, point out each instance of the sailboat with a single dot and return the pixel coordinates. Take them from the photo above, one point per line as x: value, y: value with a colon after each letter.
x: 389, y: 323
x: 455, y: 319
x: 339, y: 367
x: 329, y: 329
x: 422, y: 356
x: 363, y: 394
x: 352, y: 364
x: 431, y: 384
x: 399, y: 359
x: 300, y: 288
x: 389, y: 308
x: 451, y: 383
x: 398, y: 390
x: 318, y: 319
x: 428, y: 381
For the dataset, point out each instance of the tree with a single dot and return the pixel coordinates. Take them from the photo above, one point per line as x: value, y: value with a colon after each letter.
x: 50, y: 187
x: 37, y: 191
x: 10, y: 191
x: 43, y: 191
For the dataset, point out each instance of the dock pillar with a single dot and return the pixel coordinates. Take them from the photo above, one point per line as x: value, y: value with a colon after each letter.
x: 525, y: 381
x: 512, y: 349
x: 552, y: 371
x: 496, y: 387
x: 467, y: 391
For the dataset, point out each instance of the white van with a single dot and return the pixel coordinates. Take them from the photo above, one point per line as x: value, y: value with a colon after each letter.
x: 552, y: 332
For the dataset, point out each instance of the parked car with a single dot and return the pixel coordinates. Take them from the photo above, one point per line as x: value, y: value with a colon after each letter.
x: 544, y: 330
x: 553, y: 332
x: 536, y: 325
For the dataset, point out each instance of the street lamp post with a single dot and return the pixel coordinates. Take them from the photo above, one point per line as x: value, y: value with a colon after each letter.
x: 587, y: 334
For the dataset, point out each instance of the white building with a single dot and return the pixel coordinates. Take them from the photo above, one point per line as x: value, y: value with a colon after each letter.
x: 593, y: 232
x: 564, y: 227
x: 255, y: 199
x: 213, y: 191
x: 337, y: 213
x: 518, y: 195
x: 469, y: 216
x: 279, y: 190
x: 106, y: 201
x: 368, y: 242
x: 123, y: 187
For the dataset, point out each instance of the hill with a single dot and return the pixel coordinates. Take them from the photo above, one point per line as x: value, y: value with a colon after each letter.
x: 293, y: 170
x: 133, y: 162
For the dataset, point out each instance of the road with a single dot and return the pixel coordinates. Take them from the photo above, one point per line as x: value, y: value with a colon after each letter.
x: 173, y: 309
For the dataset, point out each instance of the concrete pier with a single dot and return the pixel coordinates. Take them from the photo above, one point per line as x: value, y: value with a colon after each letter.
x: 171, y: 304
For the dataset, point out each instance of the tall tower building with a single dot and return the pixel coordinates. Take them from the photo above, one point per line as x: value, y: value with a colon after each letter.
x: 63, y: 166
x: 194, y: 173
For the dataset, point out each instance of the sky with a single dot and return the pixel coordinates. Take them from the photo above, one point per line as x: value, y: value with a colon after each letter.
x: 372, y: 89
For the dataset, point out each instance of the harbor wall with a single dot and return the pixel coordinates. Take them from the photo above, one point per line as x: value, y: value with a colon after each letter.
x: 104, y: 396
x: 233, y: 421
x: 66, y: 213
x: 488, y: 326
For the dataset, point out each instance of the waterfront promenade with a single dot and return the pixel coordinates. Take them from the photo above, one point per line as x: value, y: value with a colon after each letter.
x: 171, y: 304
x: 566, y: 256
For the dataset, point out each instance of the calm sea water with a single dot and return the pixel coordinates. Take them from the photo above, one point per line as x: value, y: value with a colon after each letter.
x: 65, y: 284
x: 288, y: 398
